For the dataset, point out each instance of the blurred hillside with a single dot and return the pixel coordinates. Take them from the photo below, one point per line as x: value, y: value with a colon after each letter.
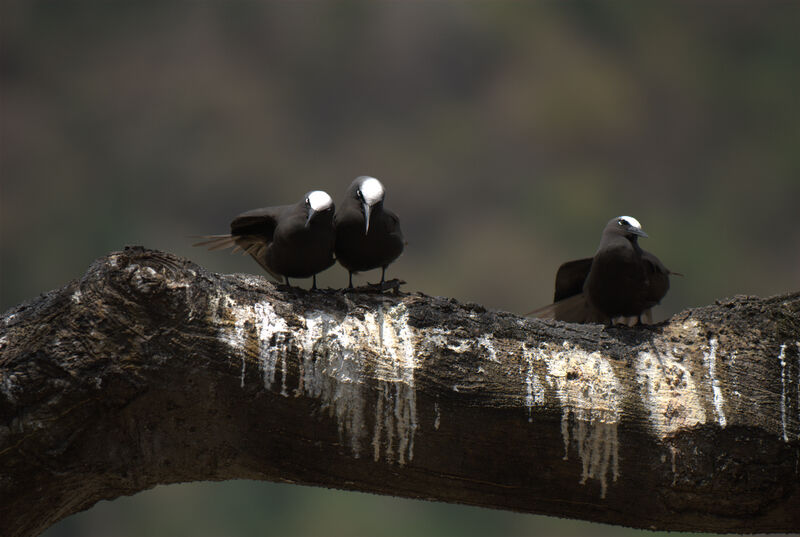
x: 506, y: 135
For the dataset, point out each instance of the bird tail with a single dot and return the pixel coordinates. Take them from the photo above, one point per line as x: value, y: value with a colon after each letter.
x: 545, y: 312
x: 216, y: 242
x: 240, y: 243
x: 574, y: 309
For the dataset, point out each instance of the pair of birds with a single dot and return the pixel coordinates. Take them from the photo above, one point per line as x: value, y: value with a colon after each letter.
x: 620, y: 281
x: 301, y: 240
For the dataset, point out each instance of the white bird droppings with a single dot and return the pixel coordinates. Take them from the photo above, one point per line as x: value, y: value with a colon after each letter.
x: 396, y: 405
x: 271, y: 332
x: 273, y: 344
x: 782, y: 359
x: 673, y: 451
x: 670, y: 393
x: 710, y: 360
x: 443, y: 338
x: 333, y: 373
x: 485, y: 342
x: 797, y: 343
x: 335, y: 352
x: 589, y: 393
x: 232, y: 333
x: 533, y: 386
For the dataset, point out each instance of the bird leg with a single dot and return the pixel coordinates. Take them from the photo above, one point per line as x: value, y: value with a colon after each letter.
x: 314, y: 282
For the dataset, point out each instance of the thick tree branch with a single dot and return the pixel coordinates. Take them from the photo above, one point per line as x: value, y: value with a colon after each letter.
x: 152, y: 370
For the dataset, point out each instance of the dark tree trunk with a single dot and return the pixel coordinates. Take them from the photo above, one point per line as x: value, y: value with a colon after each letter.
x: 151, y: 370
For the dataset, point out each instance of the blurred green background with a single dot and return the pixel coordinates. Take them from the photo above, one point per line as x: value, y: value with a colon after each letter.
x: 507, y: 134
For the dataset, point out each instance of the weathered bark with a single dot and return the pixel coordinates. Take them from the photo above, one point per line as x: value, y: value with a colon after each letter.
x: 152, y: 370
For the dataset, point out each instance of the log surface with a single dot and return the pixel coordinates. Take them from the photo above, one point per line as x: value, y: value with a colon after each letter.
x: 151, y: 370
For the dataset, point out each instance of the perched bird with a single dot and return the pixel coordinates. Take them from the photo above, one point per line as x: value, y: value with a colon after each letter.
x: 621, y: 280
x: 290, y: 241
x: 367, y: 235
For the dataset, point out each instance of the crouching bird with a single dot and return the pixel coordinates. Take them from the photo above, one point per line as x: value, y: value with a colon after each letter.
x: 289, y: 241
x: 621, y: 280
x: 368, y: 235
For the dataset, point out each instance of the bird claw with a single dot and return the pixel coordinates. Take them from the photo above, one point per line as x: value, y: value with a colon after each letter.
x: 388, y: 285
x: 381, y: 287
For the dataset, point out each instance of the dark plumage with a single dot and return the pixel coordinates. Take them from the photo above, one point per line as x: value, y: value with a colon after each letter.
x: 368, y: 236
x: 621, y: 280
x: 290, y: 241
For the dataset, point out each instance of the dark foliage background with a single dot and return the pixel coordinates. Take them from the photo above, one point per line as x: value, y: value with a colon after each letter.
x: 507, y: 134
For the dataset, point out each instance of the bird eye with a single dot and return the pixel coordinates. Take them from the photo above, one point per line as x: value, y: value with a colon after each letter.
x: 621, y: 222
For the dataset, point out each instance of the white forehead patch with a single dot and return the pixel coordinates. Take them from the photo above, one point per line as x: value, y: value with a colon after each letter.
x: 319, y: 200
x: 371, y: 190
x: 631, y: 221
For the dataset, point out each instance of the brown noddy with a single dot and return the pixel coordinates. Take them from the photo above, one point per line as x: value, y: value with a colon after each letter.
x: 621, y: 280
x: 289, y: 241
x: 368, y: 235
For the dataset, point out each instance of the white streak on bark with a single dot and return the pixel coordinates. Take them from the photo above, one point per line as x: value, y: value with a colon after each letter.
x: 332, y: 372
x: 797, y: 343
x: 589, y: 393
x: 396, y: 405
x: 232, y: 333
x: 673, y: 454
x: 272, y: 335
x: 274, y: 340
x: 782, y: 359
x: 485, y: 341
x: 669, y: 392
x: 710, y: 360
x: 535, y: 394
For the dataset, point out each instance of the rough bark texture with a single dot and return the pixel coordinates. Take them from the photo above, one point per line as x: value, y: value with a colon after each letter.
x: 152, y: 370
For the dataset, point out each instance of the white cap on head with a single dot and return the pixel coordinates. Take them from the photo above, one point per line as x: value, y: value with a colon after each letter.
x: 371, y: 190
x: 631, y: 221
x: 319, y: 200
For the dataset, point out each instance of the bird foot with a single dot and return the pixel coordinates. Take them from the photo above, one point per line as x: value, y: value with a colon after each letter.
x: 381, y: 287
x: 388, y: 285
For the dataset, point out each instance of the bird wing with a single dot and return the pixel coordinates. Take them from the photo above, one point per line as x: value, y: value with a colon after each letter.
x: 657, y: 277
x: 653, y: 264
x: 247, y: 244
x: 251, y: 233
x: 570, y: 278
x: 393, y: 224
x: 258, y: 222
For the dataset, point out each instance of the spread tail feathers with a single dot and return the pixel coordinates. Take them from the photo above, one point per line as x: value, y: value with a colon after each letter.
x: 245, y: 244
x: 217, y: 242
x: 575, y: 309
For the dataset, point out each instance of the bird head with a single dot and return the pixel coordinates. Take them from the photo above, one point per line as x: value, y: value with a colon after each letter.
x: 370, y: 193
x: 317, y: 201
x: 627, y: 226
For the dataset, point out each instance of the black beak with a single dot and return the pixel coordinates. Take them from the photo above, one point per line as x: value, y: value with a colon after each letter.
x: 637, y: 231
x: 311, y: 213
x: 367, y: 209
